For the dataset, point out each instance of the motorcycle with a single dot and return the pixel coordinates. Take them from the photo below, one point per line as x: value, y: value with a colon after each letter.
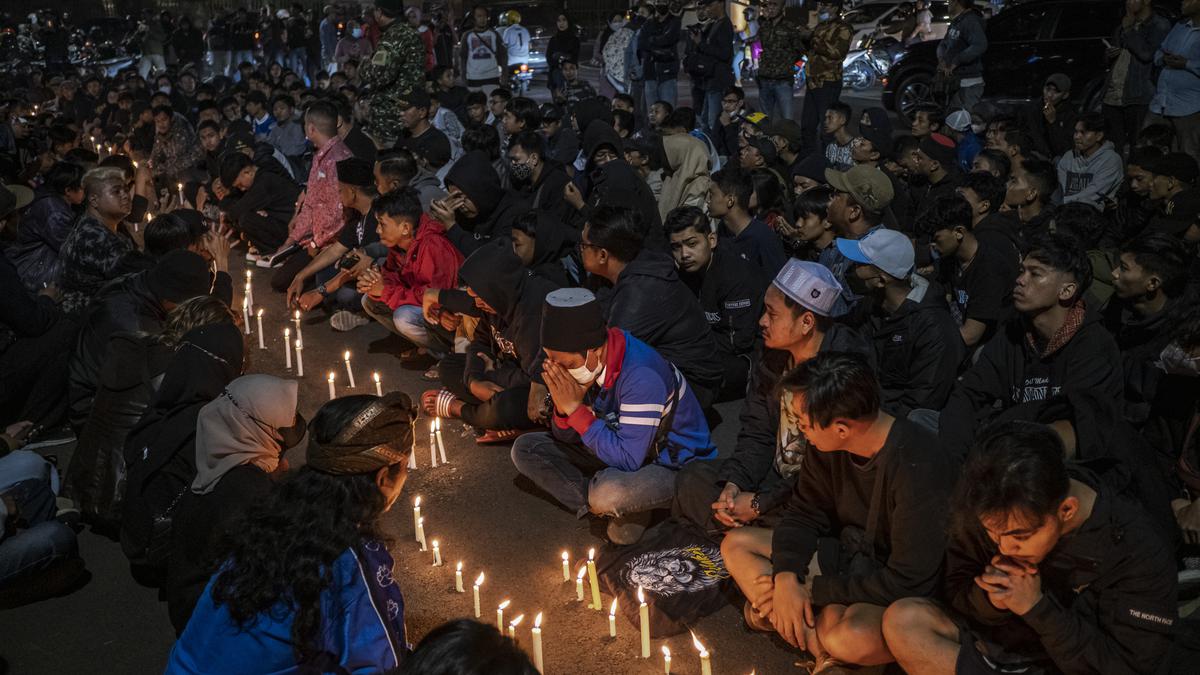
x: 520, y: 76
x: 862, y: 68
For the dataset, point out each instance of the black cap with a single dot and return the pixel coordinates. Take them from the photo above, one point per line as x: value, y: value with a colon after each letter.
x: 550, y: 112
x: 417, y: 97
x: 180, y: 275
x: 356, y: 172
x: 880, y: 139
x: 431, y: 145
x: 1177, y: 165
x: 572, y: 321
x: 941, y: 149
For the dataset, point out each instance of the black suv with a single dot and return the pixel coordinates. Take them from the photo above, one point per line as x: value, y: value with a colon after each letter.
x: 1026, y: 43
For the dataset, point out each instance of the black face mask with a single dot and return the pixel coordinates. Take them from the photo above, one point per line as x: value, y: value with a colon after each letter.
x: 294, y: 434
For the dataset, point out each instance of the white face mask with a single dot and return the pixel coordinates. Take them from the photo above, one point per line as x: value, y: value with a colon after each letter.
x: 584, y: 375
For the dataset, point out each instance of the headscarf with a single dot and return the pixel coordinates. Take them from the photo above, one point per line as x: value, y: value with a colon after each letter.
x: 243, y: 425
x: 380, y: 435
x: 689, y: 180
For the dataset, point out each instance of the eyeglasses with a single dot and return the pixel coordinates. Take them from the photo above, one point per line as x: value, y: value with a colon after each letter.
x: 579, y: 246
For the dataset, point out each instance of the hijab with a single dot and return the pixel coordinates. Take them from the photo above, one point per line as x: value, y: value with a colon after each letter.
x: 244, y: 425
x: 689, y: 180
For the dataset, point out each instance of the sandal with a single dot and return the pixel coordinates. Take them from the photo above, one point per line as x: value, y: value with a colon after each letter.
x: 437, y: 402
x: 492, y: 436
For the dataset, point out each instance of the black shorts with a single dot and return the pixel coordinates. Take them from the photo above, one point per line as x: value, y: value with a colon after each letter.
x: 979, y: 656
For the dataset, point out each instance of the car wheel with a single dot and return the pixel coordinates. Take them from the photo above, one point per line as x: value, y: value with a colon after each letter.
x: 913, y: 91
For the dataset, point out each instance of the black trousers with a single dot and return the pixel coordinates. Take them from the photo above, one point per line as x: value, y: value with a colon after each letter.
x: 284, y: 274
x: 34, y: 375
x: 266, y: 234
x: 812, y: 115
x: 505, y: 410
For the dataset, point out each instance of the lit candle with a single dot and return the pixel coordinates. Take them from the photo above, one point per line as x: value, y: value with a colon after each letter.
x: 135, y: 165
x: 458, y: 584
x: 296, y: 320
x: 378, y: 385
x: 441, y: 445
x: 644, y: 622
x: 579, y: 584
x: 287, y: 348
x: 512, y: 627
x: 437, y: 554
x: 349, y: 370
x: 500, y: 614
x: 416, y: 516
x: 537, y: 643
x: 246, y: 314
x: 566, y: 566
x: 705, y: 663
x: 249, y: 286
x: 478, y: 583
x: 332, y: 389
x: 180, y: 193
x: 666, y: 660
x: 299, y: 358
x: 421, y: 533
x: 261, y: 344
x: 612, y: 619
x: 433, y: 450
x: 412, y: 458
x: 591, y: 568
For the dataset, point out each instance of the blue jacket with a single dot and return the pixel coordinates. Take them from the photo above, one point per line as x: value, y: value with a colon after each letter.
x: 620, y: 416
x: 353, y: 628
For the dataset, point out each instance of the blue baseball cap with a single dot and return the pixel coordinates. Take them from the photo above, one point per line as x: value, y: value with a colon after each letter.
x: 889, y: 250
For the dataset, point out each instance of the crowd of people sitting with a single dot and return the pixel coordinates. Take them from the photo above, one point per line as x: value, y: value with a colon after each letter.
x: 964, y: 354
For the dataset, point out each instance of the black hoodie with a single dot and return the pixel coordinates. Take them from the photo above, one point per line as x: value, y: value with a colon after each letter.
x: 1108, y: 603
x: 511, y: 337
x: 918, y: 349
x: 552, y: 246
x: 1009, y: 371
x: 618, y: 184
x: 651, y: 302
x: 1141, y: 339
x: 474, y: 175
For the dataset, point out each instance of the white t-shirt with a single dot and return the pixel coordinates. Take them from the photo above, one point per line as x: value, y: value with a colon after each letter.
x: 482, y: 48
x: 516, y: 40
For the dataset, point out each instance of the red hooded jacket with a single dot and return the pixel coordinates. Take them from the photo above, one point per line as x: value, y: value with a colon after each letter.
x: 431, y: 262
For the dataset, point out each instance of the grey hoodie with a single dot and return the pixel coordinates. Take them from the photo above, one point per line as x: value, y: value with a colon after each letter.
x: 1090, y: 180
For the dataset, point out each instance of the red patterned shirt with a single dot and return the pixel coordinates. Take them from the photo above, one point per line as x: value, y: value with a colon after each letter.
x: 320, y: 217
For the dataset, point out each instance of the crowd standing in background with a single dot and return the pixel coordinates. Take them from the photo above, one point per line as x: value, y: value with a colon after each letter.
x: 966, y: 352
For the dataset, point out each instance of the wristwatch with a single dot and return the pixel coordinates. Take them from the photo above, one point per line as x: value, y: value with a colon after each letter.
x: 322, y: 290
x: 754, y: 505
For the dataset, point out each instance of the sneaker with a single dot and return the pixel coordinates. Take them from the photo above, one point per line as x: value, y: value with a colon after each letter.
x: 344, y: 320
x: 67, y: 512
x: 627, y: 529
x: 50, y: 438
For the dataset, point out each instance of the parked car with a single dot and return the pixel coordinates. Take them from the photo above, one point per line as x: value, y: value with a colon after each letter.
x: 869, y: 16
x: 1026, y: 43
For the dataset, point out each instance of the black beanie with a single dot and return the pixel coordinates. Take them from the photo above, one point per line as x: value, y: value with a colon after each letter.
x: 180, y: 275
x: 572, y: 321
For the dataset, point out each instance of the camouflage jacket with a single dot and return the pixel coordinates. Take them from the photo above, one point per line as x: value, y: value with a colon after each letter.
x: 782, y: 46
x: 829, y: 44
x: 395, y: 69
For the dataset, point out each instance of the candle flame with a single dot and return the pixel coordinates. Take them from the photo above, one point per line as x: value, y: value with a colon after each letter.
x: 249, y: 274
x: 612, y: 611
x: 641, y: 595
x: 505, y: 604
x: 296, y: 315
x: 435, y: 544
x: 515, y: 622
x: 417, y: 503
x: 332, y: 376
x: 699, y: 647
x: 458, y: 567
x: 566, y: 556
x: 666, y: 652
x: 346, y: 355
x: 591, y: 554
x: 537, y: 620
x: 299, y: 343
x: 260, y: 311
x: 582, y: 571
x: 479, y: 579
x: 376, y: 376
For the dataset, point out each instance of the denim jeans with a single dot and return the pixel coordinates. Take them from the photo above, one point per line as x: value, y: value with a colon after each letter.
x: 31, y: 482
x: 582, y: 483
x: 712, y: 111
x: 775, y: 98
x: 407, y: 321
x: 296, y: 60
x: 661, y: 90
